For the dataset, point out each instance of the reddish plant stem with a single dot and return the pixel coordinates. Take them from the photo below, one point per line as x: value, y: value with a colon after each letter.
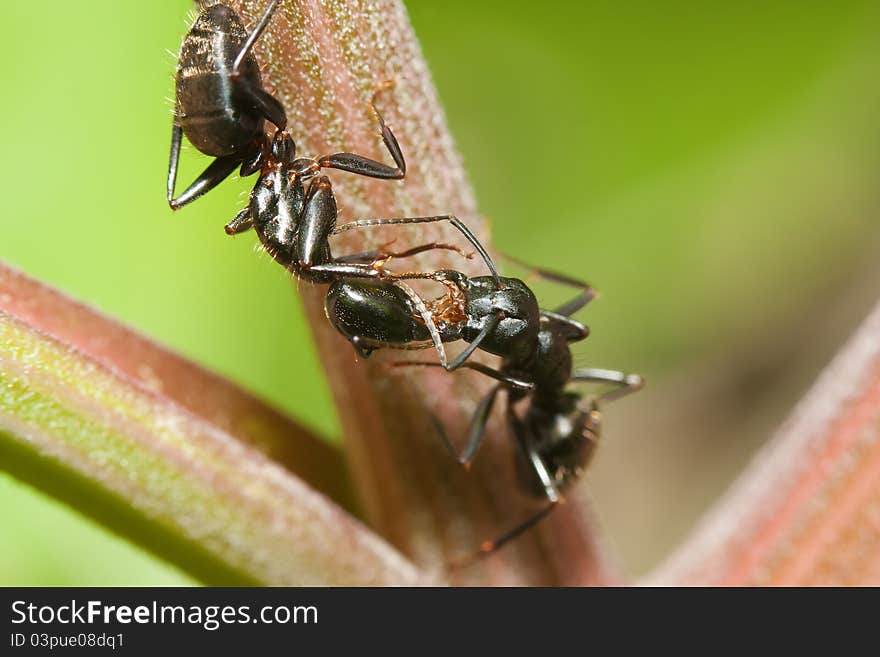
x: 189, y: 491
x: 160, y: 372
x: 324, y: 58
x: 807, y: 510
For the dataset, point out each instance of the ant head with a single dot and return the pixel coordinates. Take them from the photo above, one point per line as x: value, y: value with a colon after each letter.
x: 514, y: 308
x: 283, y: 148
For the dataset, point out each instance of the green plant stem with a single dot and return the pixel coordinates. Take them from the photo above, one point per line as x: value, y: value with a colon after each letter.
x: 159, y: 475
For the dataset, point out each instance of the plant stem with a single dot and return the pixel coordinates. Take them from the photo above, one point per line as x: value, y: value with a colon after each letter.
x: 807, y: 510
x: 156, y: 370
x: 160, y: 475
x: 324, y: 58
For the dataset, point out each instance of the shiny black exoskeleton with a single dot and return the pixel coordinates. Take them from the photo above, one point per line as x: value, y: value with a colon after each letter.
x: 293, y: 211
x: 559, y: 429
x: 374, y: 311
x: 372, y: 318
x: 220, y: 104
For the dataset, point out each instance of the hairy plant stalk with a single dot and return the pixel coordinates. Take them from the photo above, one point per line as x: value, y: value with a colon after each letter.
x: 323, y: 59
x: 807, y: 510
x: 155, y: 370
x: 105, y: 421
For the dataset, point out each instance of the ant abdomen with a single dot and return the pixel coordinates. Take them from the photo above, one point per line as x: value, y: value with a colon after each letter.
x: 217, y: 120
x: 220, y: 103
x: 374, y: 312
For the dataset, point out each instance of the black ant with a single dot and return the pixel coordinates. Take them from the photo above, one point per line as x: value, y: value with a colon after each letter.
x: 559, y: 430
x: 221, y: 107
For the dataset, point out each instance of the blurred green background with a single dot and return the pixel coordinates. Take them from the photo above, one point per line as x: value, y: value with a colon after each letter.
x: 712, y: 167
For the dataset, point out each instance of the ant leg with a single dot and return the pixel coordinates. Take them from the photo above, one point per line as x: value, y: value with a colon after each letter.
x: 364, y: 166
x: 173, y: 160
x: 491, y: 324
x: 388, y: 137
x: 380, y: 254
x: 490, y: 547
x: 213, y: 175
x: 251, y: 166
x: 366, y: 346
x: 455, y: 221
x: 346, y: 268
x: 627, y: 383
x: 478, y: 426
x: 361, y: 349
x: 476, y: 431
x: 441, y: 431
x: 563, y: 313
x: 578, y: 331
x: 570, y: 308
x: 318, y: 222
x: 316, y: 226
x: 270, y: 106
x: 342, y: 269
x: 511, y: 381
x: 254, y: 35
x: 587, y: 292
x: 243, y: 222
x: 459, y: 361
x: 427, y: 318
x: 550, y: 490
